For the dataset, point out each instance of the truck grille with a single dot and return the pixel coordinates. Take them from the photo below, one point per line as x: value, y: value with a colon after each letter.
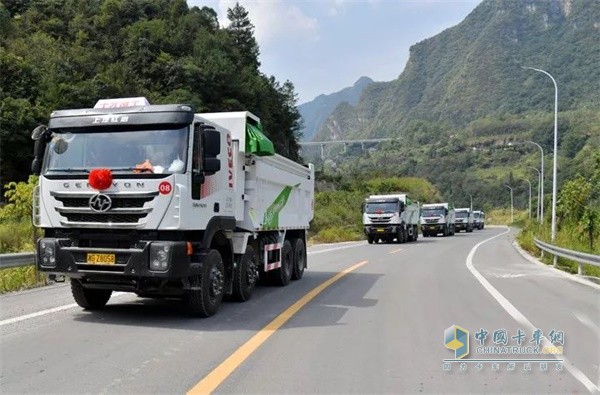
x: 431, y: 220
x: 380, y: 220
x: 126, y: 210
x: 125, y: 202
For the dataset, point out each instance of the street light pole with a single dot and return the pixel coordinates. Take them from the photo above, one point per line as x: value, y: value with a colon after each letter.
x: 554, y: 167
x: 471, y: 196
x: 539, y: 193
x: 512, y: 218
x: 529, y: 182
x: 541, y: 180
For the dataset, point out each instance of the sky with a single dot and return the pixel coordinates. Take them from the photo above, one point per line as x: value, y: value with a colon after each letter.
x: 323, y: 46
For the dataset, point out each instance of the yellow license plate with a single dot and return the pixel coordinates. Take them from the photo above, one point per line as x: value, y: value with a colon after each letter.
x: 101, y: 259
x: 380, y: 230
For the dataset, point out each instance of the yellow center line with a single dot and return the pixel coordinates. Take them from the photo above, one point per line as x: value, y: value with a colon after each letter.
x: 395, y: 251
x: 221, y: 372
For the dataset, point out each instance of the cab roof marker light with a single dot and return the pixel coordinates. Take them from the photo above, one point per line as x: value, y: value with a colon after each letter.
x: 122, y: 102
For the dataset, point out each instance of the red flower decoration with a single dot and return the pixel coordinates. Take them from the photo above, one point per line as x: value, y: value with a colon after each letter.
x: 100, y: 179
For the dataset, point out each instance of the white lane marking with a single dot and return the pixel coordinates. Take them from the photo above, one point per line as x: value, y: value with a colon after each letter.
x: 72, y: 305
x: 509, y: 275
x: 334, y: 249
x: 395, y: 251
x: 589, y: 323
x: 37, y: 314
x: 520, y: 318
x: 47, y: 311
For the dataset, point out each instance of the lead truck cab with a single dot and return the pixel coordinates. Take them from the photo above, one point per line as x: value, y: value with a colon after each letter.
x: 163, y: 202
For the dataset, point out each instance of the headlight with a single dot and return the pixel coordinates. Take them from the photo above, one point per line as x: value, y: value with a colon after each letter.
x: 160, y: 256
x: 47, y: 253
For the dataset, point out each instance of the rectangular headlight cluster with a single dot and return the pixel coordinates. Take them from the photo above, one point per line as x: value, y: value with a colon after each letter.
x: 47, y: 253
x: 160, y: 257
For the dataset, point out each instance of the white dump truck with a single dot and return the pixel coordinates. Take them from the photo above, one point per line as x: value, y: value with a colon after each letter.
x: 464, y: 219
x: 163, y: 202
x: 478, y: 219
x: 438, y: 218
x: 389, y: 217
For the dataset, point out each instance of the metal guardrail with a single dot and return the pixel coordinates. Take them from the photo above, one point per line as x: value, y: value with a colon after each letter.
x: 579, y: 257
x: 16, y: 259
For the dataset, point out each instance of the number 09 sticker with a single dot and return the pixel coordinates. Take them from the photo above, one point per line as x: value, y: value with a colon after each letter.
x: 165, y: 188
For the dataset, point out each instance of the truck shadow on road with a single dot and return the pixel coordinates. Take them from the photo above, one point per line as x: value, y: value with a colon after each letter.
x: 326, y: 309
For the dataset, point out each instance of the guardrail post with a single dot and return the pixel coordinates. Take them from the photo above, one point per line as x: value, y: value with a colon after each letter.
x: 580, y: 269
x: 554, y: 261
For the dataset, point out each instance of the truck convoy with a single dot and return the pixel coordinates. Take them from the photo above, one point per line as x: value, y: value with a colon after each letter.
x: 464, y: 220
x: 438, y: 218
x: 163, y: 202
x: 389, y: 217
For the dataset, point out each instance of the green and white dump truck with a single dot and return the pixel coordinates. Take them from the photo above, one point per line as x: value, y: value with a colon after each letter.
x: 389, y: 217
x: 464, y: 219
x: 119, y: 214
x: 437, y: 218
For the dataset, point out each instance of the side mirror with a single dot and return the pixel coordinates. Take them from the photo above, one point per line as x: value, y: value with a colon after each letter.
x: 38, y: 156
x: 38, y: 132
x: 212, y: 142
x: 211, y: 166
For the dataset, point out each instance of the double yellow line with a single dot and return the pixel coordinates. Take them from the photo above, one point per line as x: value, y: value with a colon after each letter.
x: 209, y: 383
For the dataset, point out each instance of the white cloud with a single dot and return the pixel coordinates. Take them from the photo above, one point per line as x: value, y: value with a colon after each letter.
x: 274, y: 20
x: 335, y: 7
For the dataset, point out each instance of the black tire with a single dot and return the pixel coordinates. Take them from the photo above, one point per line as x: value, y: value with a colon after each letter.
x: 283, y: 275
x: 89, y: 299
x: 246, y: 275
x: 446, y: 231
x: 415, y: 233
x: 206, y: 300
x: 370, y: 239
x: 299, y: 259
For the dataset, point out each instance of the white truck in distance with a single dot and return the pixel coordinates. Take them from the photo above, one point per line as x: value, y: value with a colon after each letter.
x: 389, y: 217
x: 437, y: 218
x: 121, y: 212
x: 464, y: 219
x: 478, y: 219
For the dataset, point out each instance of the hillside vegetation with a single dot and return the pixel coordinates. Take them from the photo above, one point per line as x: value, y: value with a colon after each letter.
x: 69, y: 53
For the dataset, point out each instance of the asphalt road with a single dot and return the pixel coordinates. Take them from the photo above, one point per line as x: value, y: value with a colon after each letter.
x: 378, y: 329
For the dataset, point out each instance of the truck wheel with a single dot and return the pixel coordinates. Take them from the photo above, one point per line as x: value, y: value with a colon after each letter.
x: 246, y: 276
x: 299, y: 259
x: 89, y: 299
x: 370, y: 239
x: 283, y: 275
x: 415, y: 233
x: 207, y: 294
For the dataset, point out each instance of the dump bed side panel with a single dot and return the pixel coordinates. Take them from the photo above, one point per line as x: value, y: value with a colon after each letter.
x: 278, y: 194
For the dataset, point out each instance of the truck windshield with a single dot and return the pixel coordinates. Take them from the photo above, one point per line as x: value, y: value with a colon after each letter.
x: 379, y: 208
x: 462, y: 214
x: 140, y: 151
x: 433, y: 212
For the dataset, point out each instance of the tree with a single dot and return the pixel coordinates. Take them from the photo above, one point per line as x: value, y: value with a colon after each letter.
x: 242, y: 32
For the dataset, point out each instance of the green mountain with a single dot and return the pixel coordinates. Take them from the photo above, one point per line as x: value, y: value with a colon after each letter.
x: 315, y: 112
x: 473, y: 70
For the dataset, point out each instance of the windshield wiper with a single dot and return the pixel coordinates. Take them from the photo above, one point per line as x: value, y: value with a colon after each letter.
x: 138, y: 169
x: 69, y: 170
